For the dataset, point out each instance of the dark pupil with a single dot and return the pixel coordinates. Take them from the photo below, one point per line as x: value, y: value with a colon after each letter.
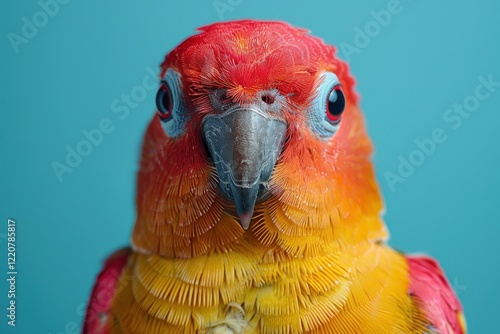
x: 336, y: 102
x: 163, y: 100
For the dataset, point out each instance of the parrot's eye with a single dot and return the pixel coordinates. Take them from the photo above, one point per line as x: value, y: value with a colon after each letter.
x: 335, y: 104
x: 164, y: 102
x: 268, y: 99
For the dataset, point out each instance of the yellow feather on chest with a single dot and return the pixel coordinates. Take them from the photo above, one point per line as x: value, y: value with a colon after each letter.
x: 361, y: 289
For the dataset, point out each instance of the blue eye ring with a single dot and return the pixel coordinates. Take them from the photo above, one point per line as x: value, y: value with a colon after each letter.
x: 335, y: 104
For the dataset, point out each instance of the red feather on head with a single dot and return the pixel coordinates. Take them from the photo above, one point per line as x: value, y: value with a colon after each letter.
x: 247, y: 56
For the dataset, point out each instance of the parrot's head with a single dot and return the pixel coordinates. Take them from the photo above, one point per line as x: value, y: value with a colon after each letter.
x: 257, y: 132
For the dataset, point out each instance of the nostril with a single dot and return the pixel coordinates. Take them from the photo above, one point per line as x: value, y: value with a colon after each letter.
x: 268, y: 99
x: 223, y: 96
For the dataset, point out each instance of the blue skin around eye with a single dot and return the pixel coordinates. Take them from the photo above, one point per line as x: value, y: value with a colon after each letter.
x: 317, y: 119
x: 175, y: 125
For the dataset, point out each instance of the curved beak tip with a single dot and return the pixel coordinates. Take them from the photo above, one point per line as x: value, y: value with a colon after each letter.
x: 244, y: 145
x: 245, y: 219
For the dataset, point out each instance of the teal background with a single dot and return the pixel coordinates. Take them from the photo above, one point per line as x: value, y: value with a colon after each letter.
x: 64, y: 80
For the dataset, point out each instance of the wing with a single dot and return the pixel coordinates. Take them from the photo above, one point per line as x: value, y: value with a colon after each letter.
x: 103, y: 292
x: 430, y: 287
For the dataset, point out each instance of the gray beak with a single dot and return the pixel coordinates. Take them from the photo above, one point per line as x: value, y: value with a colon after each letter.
x: 245, y: 144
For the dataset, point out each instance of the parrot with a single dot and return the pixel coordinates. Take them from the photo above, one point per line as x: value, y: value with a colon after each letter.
x: 257, y: 206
